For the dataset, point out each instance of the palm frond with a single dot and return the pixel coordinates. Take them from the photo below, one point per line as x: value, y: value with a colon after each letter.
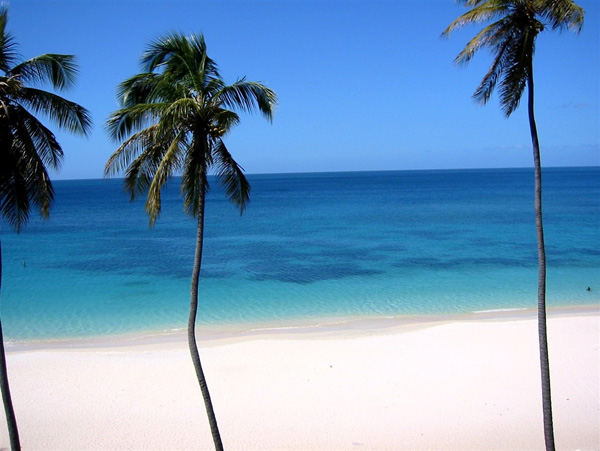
x: 141, y: 88
x: 162, y: 49
x: 169, y: 163
x: 66, y: 114
x: 139, y: 176
x: 488, y: 83
x: 126, y: 121
x: 193, y: 179
x: 231, y: 176
x: 483, y: 11
x: 180, y: 56
x: 22, y: 181
x: 141, y: 171
x: 40, y: 186
x: 58, y: 70
x: 498, y: 41
x: 8, y: 53
x: 249, y: 96
x: 515, y: 75
x: 32, y: 134
x: 472, y: 3
x: 490, y: 36
x: 142, y: 156
x: 129, y: 150
x: 561, y: 14
x: 203, y: 68
x: 14, y: 199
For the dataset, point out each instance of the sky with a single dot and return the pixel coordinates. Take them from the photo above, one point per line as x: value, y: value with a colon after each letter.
x: 362, y: 84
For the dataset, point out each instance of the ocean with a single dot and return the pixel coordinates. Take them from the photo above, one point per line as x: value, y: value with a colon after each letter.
x: 309, y: 247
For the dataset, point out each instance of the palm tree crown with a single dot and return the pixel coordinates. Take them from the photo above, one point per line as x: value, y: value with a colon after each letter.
x: 511, y: 39
x: 173, y: 118
x: 28, y: 147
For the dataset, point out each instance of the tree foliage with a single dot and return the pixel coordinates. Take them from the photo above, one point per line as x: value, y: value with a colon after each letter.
x: 28, y: 148
x: 511, y: 40
x: 172, y: 121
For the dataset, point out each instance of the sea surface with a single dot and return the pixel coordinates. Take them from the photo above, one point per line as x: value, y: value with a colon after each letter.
x: 309, y: 246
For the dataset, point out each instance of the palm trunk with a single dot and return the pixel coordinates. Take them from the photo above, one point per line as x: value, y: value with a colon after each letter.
x: 11, y: 420
x: 212, y: 419
x: 542, y: 332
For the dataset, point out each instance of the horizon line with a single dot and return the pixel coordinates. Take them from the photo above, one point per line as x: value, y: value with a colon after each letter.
x: 355, y: 171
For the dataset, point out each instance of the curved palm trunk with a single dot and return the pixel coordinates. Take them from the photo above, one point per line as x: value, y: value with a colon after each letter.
x: 542, y: 333
x: 11, y: 420
x: 191, y: 330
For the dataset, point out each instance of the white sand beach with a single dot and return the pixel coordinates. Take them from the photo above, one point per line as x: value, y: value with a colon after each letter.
x: 467, y: 383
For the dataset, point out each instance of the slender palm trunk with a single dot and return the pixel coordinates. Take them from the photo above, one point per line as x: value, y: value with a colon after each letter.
x: 212, y: 419
x: 542, y: 332
x: 11, y: 420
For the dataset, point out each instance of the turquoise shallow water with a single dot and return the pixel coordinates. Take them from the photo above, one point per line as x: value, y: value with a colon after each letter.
x: 309, y: 246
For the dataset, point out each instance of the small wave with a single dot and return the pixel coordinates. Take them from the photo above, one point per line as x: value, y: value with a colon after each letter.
x: 267, y: 329
x: 501, y: 310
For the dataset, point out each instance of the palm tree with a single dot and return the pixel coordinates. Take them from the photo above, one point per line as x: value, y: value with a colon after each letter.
x: 172, y: 121
x: 511, y: 40
x: 28, y: 147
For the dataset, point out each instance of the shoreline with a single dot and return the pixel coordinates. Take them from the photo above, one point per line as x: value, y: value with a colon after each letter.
x: 318, y: 327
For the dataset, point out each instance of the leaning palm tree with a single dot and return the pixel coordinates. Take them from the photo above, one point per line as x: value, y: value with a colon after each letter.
x: 511, y: 39
x: 28, y: 148
x: 172, y: 120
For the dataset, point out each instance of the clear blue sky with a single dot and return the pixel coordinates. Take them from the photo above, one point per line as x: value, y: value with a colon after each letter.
x: 363, y: 84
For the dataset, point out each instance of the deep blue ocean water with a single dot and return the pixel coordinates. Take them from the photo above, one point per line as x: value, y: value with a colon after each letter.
x: 309, y: 246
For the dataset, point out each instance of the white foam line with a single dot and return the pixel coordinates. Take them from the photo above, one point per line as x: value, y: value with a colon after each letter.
x: 263, y: 329
x: 501, y: 310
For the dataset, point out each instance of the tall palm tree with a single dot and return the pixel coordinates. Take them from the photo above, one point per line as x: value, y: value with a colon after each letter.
x: 511, y: 40
x: 172, y: 121
x: 28, y: 148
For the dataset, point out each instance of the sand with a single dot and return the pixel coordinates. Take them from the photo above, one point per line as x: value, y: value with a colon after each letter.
x: 468, y: 383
